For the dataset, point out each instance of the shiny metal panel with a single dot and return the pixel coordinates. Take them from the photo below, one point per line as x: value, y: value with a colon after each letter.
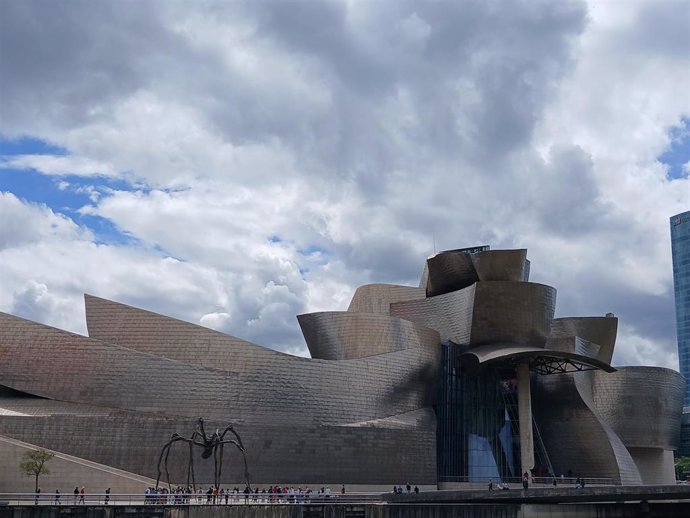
x: 449, y: 271
x: 599, y: 330
x: 512, y: 312
x: 344, y: 335
x: 449, y: 314
x: 575, y: 439
x: 643, y: 405
x: 500, y: 265
x: 362, y: 409
x: 254, y: 389
x: 377, y: 298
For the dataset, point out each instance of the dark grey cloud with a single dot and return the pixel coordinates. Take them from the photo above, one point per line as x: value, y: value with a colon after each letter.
x: 568, y: 197
x: 477, y: 81
x: 67, y: 64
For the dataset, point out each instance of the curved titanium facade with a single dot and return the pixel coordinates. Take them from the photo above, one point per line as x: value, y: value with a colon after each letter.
x: 599, y: 330
x: 448, y: 271
x: 342, y: 335
x: 576, y: 439
x: 453, y: 270
x: 387, y: 396
x: 119, y: 377
x: 501, y: 265
x: 377, y: 298
x: 487, y: 312
x: 642, y: 405
x: 449, y: 314
x: 180, y: 369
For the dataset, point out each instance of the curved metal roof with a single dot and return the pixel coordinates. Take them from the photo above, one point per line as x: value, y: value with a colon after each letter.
x: 543, y: 361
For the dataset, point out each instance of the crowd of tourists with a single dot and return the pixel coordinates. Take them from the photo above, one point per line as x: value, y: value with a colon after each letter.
x: 224, y: 496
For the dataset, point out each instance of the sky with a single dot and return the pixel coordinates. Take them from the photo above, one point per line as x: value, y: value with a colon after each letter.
x: 234, y: 164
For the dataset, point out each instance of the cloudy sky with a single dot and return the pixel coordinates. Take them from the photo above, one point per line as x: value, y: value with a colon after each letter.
x: 234, y: 164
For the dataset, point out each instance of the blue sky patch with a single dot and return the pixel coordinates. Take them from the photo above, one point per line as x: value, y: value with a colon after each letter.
x: 64, y: 194
x: 678, y: 154
x: 312, y: 250
x: 28, y: 146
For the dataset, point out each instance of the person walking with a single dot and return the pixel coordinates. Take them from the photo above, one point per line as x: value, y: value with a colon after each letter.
x: 76, y: 494
x: 525, y: 481
x: 82, y: 494
x: 107, y: 496
x: 57, y: 497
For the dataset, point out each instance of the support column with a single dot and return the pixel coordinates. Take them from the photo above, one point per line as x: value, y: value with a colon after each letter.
x: 525, y: 418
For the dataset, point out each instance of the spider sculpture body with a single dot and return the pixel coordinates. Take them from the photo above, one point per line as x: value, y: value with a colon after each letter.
x: 212, y: 445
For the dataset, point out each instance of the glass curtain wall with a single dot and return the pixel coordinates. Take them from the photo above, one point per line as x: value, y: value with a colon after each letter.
x: 477, y: 430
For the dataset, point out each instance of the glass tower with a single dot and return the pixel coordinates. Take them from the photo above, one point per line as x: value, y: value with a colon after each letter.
x: 680, y: 250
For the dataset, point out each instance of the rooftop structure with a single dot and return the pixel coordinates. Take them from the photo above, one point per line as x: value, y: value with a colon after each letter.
x: 466, y: 376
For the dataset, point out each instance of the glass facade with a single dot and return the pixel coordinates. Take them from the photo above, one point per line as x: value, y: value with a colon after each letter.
x: 478, y: 436
x: 680, y: 250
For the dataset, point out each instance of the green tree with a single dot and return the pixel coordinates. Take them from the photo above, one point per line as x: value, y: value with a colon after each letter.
x: 34, y: 462
x: 682, y: 465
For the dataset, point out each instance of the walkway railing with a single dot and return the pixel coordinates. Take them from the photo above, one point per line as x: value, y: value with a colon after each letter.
x: 185, y: 499
x: 539, y: 481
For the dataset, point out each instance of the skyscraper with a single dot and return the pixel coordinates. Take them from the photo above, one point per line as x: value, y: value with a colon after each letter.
x: 680, y: 250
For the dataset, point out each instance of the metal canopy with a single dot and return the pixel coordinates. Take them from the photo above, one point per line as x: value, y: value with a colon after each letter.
x: 549, y: 365
x: 541, y: 361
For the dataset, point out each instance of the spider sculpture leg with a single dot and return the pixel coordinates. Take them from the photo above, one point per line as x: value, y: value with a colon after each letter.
x: 240, y: 446
x: 200, y: 428
x: 232, y: 431
x: 191, y: 460
x: 165, y: 451
x: 244, y: 458
x: 220, y: 463
x: 215, y: 463
x: 190, y: 467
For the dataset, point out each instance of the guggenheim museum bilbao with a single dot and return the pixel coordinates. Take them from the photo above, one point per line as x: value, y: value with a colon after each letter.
x: 464, y: 378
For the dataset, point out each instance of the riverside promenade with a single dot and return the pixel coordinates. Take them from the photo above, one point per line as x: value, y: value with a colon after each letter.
x: 604, y: 502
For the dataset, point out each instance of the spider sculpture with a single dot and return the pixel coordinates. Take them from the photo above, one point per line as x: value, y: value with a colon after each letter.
x: 211, y: 445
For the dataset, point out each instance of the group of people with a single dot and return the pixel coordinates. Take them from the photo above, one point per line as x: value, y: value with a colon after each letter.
x: 500, y: 486
x: 398, y: 490
x: 218, y: 495
x: 79, y: 496
x: 579, y: 482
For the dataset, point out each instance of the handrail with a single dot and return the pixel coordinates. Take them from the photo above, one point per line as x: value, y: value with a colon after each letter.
x: 541, y: 481
x: 186, y: 499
